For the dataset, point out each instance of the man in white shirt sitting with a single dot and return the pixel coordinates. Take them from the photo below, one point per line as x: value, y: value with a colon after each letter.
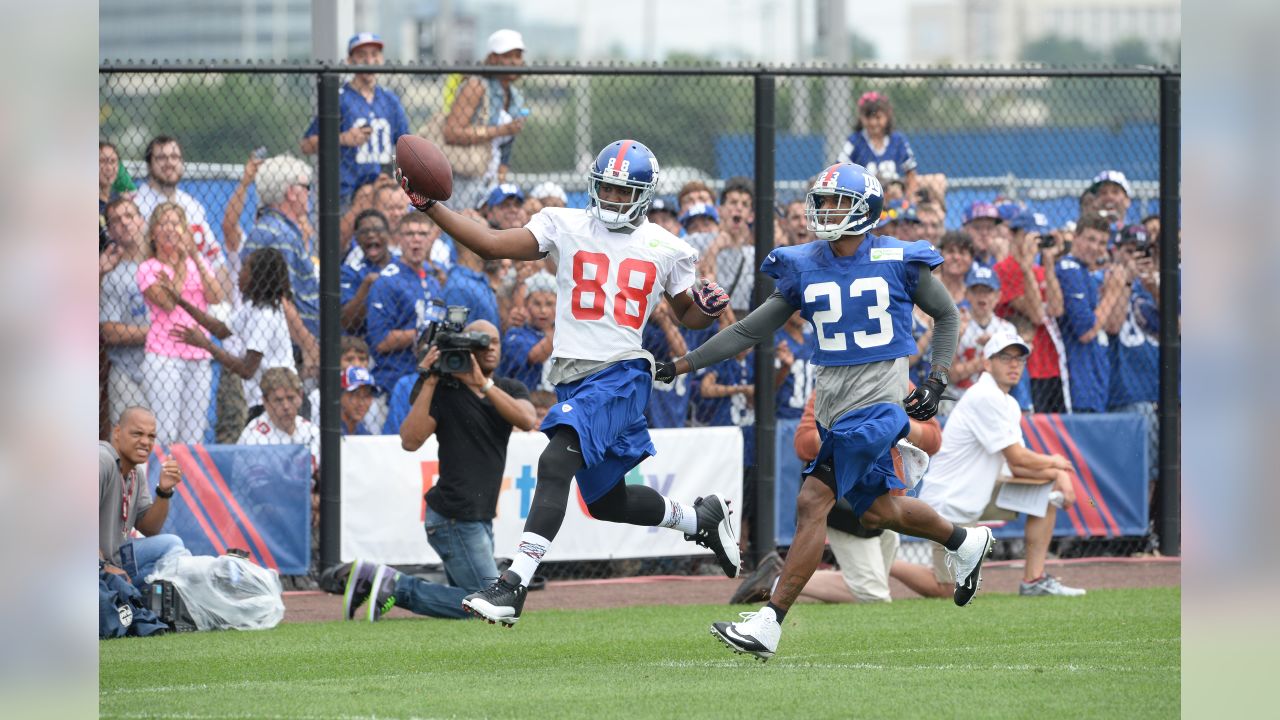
x: 981, y: 445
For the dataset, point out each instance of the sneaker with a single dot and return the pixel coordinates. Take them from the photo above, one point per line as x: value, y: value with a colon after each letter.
x: 1048, y: 585
x: 501, y: 602
x: 759, y: 584
x: 359, y: 583
x: 966, y: 563
x: 383, y: 595
x: 757, y: 634
x: 915, y: 463
x: 716, y: 532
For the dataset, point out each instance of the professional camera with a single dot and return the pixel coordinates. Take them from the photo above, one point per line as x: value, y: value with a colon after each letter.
x: 444, y: 330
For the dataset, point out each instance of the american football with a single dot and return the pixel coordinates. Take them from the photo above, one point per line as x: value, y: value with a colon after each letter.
x: 425, y: 166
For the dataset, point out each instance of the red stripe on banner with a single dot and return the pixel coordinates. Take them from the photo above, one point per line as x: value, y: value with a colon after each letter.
x: 1087, y: 509
x: 1088, y: 474
x: 203, y: 488
x: 430, y: 469
x: 1037, y: 444
x: 260, y: 548
x: 196, y: 511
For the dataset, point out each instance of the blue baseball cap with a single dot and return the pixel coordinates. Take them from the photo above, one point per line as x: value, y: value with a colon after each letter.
x: 662, y: 205
x: 1008, y: 210
x: 1030, y: 221
x: 699, y: 210
x: 982, y: 276
x: 978, y: 210
x: 500, y: 193
x: 363, y: 39
x: 356, y: 377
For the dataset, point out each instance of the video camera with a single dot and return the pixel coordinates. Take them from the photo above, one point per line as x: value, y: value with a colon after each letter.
x: 444, y: 329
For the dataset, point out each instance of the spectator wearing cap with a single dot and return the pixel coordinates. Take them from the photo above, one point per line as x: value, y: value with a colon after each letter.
x: 489, y: 110
x: 504, y: 207
x: 701, y: 223
x: 899, y: 220
x: 983, y: 449
x: 957, y: 260
x: 1031, y: 299
x: 1093, y: 305
x: 469, y: 286
x: 662, y: 212
x: 357, y: 398
x: 549, y: 194
x: 982, y: 291
x: 980, y: 220
x: 372, y: 119
x: 1112, y: 196
x: 527, y: 348
x: 876, y: 146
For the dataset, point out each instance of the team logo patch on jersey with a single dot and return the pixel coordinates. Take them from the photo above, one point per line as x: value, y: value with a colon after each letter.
x: 264, y: 428
x: 566, y: 407
x: 878, y: 254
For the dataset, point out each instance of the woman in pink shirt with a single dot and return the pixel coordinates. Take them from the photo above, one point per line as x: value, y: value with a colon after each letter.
x: 177, y: 377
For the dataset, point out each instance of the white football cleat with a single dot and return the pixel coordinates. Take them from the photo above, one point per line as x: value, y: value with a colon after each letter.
x: 757, y: 634
x: 966, y: 563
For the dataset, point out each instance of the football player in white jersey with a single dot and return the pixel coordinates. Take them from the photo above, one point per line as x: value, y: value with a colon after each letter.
x: 613, y: 267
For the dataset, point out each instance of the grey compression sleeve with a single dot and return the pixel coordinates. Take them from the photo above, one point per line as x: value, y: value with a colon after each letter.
x: 932, y: 297
x: 751, y: 330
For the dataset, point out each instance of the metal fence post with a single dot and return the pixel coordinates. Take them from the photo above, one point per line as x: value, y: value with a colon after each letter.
x: 764, y: 522
x: 330, y: 331
x: 1170, y: 412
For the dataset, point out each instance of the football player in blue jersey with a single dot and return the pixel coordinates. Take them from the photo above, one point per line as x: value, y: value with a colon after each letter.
x: 857, y: 290
x: 372, y: 120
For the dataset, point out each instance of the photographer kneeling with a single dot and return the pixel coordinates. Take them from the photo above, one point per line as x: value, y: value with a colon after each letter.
x: 472, y: 413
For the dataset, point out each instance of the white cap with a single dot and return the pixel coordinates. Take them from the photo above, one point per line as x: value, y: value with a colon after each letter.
x: 1001, y: 340
x: 504, y: 41
x: 549, y: 189
x: 541, y: 281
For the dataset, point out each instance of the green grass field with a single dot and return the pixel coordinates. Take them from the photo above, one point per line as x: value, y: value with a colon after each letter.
x: 1114, y: 653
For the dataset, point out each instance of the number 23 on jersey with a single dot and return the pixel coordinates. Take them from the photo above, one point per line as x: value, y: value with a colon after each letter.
x: 634, y: 280
x: 878, y: 320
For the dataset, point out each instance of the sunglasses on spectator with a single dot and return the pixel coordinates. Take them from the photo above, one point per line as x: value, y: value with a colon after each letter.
x: 1006, y: 357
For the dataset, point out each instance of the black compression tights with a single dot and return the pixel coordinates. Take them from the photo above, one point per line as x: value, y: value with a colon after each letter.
x: 632, y: 504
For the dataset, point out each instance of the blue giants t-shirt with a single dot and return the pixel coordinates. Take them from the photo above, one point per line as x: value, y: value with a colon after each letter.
x: 1088, y: 363
x: 1135, y: 352
x: 738, y: 410
x: 385, y: 114
x: 515, y: 356
x: 397, y: 301
x: 859, y: 306
x: 669, y: 402
x: 794, y: 391
x: 893, y: 164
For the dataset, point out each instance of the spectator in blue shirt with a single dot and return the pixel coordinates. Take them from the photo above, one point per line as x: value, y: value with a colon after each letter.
x: 527, y: 348
x: 372, y: 120
x: 875, y: 146
x: 284, y: 186
x: 794, y: 375
x: 357, y: 398
x: 1135, y: 385
x: 468, y: 285
x: 669, y: 403
x: 360, y: 270
x: 979, y: 221
x: 398, y: 302
x: 1089, y: 313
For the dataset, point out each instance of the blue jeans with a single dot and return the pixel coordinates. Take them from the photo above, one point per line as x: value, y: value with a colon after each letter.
x: 138, y: 557
x: 466, y: 547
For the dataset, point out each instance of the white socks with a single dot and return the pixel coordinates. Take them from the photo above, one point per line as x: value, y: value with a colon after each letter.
x: 529, y: 555
x: 680, y: 517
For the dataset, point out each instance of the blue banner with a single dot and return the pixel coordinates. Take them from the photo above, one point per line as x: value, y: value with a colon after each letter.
x: 256, y: 498
x: 1108, y: 451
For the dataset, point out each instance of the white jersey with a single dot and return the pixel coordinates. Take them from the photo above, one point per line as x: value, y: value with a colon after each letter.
x: 261, y: 431
x: 608, y: 282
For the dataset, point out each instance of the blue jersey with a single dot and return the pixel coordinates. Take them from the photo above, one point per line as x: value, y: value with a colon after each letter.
x: 859, y: 306
x: 735, y: 408
x: 274, y: 230
x: 1088, y: 364
x: 385, y: 114
x: 515, y: 357
x: 692, y: 340
x: 669, y: 402
x: 397, y: 301
x: 1135, y: 352
x: 893, y: 164
x: 920, y: 371
x: 350, y: 276
x: 398, y: 405
x: 795, y: 390
x: 471, y: 289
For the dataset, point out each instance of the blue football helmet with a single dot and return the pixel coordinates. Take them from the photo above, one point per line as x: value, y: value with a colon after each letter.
x: 852, y: 200
x: 628, y: 164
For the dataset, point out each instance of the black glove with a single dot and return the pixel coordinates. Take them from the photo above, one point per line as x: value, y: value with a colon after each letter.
x: 664, y: 372
x: 922, y: 403
x: 419, y: 201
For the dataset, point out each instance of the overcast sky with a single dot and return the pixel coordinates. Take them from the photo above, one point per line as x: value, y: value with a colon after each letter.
x: 764, y: 30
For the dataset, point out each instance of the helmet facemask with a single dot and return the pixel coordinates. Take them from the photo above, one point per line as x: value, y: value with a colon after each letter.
x: 629, y: 212
x: 831, y: 222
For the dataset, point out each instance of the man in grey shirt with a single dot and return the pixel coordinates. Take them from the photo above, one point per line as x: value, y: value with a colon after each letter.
x: 125, y: 503
x: 122, y: 313
x: 857, y: 290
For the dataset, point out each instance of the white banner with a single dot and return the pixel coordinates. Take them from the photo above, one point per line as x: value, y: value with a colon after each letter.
x: 383, y: 507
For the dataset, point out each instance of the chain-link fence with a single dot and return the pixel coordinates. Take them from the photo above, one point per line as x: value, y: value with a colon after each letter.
x: 1042, y: 192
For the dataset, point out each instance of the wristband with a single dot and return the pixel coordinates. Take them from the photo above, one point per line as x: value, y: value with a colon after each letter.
x: 485, y: 388
x: 166, y: 494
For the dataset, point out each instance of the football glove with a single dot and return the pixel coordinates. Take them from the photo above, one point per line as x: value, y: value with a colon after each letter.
x: 664, y: 372
x: 420, y: 202
x: 922, y: 403
x: 710, y: 298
